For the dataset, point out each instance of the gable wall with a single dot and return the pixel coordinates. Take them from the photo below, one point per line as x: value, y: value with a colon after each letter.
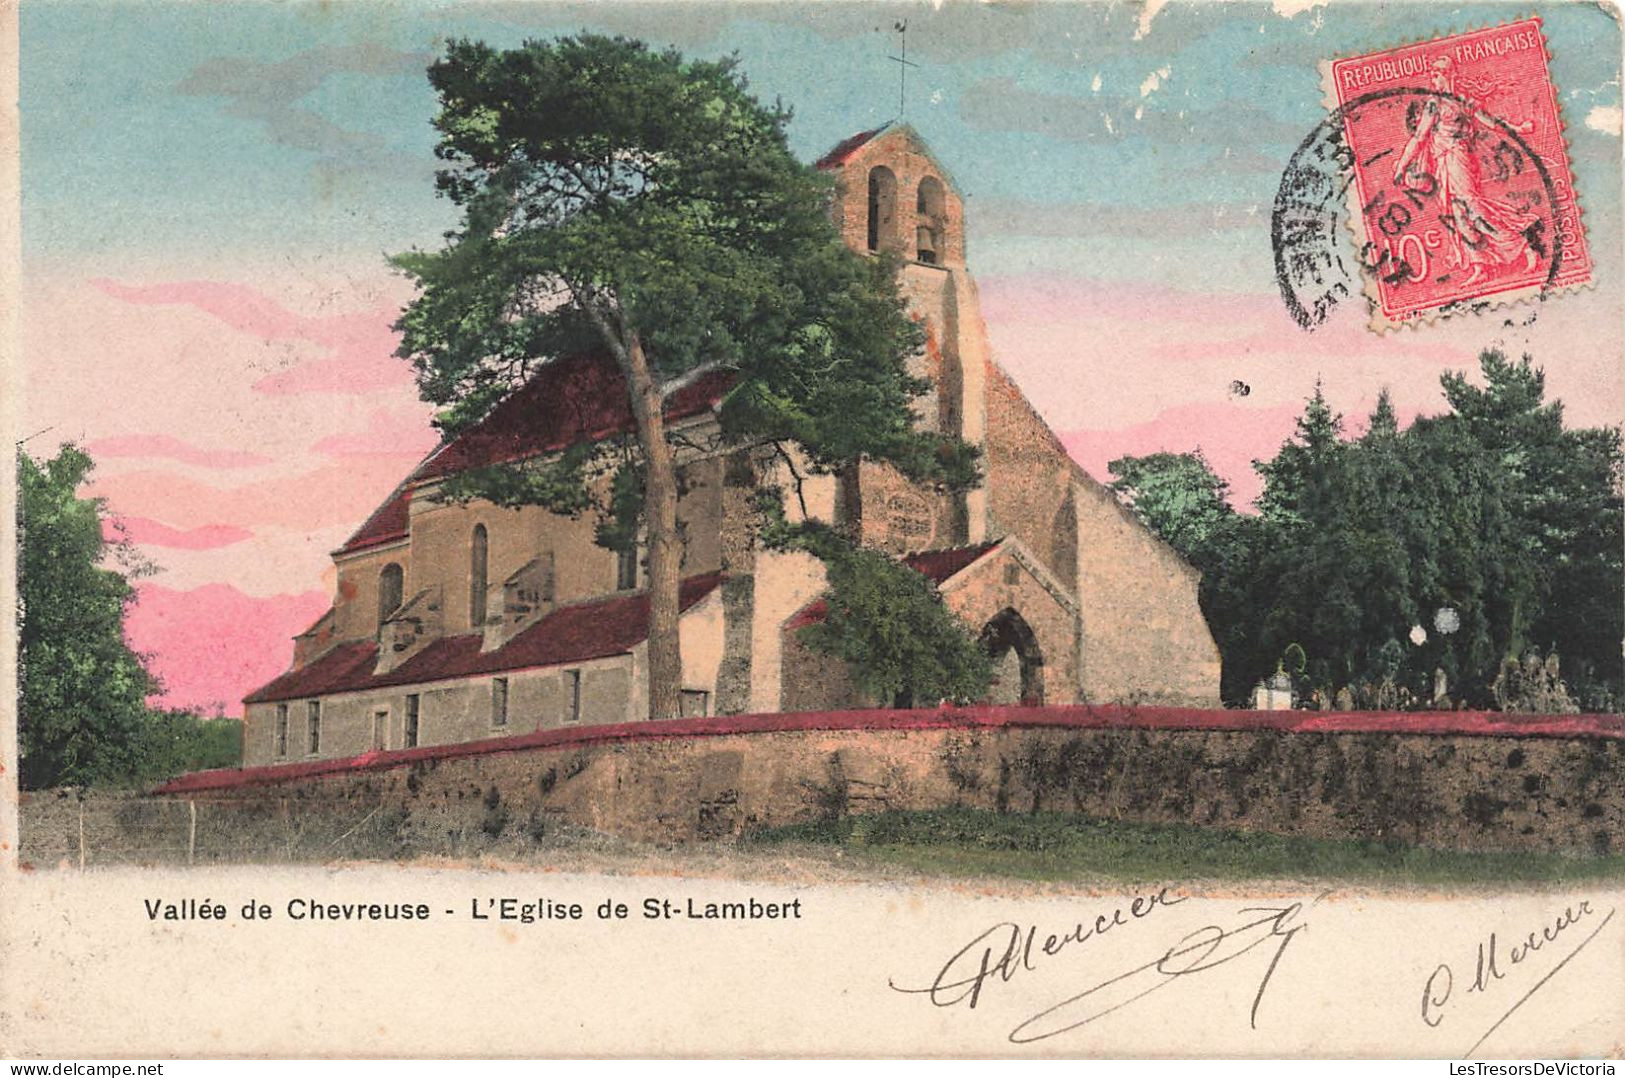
x: 1144, y: 638
x: 999, y: 581
x: 439, y: 553
x: 899, y: 151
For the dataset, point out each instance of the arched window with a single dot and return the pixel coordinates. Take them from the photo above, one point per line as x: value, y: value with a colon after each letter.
x: 477, y: 553
x: 391, y: 583
x: 930, y: 211
x: 882, y: 206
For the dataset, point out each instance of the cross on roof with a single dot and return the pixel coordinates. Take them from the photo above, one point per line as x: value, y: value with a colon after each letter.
x: 903, y: 64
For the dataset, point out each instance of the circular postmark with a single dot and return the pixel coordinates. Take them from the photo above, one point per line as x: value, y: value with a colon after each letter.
x: 1448, y: 205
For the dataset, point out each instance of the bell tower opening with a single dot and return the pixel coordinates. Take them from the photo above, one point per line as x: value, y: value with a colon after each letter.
x: 882, y: 207
x: 929, y: 214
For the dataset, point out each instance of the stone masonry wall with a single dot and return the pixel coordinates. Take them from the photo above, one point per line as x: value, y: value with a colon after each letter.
x: 1453, y: 780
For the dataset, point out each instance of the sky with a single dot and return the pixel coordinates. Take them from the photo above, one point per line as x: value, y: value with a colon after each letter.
x: 210, y: 191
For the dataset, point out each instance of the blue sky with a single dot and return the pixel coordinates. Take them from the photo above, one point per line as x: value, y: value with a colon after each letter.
x: 153, y: 128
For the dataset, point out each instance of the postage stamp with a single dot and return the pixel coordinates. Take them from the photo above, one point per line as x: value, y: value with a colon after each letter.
x: 1462, y: 195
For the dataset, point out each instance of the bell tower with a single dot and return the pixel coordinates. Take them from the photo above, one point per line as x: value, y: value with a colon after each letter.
x: 896, y: 198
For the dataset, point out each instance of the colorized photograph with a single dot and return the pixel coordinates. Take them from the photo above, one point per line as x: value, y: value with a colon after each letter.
x: 1114, y: 454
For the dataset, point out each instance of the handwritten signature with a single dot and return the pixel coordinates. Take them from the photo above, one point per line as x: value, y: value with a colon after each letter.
x: 973, y: 968
x: 1487, y: 972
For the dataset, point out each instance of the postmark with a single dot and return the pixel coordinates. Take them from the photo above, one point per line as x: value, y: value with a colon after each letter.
x: 1446, y: 161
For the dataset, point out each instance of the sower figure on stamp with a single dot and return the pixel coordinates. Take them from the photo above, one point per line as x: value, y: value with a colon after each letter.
x: 1485, y: 233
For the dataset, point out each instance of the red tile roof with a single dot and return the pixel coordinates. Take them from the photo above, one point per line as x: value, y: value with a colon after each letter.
x: 939, y: 565
x: 936, y: 565
x: 575, y: 633
x: 843, y: 150
x: 811, y: 614
x: 574, y: 399
x: 387, y: 523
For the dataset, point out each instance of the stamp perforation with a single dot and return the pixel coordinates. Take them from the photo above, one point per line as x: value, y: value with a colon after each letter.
x: 1561, y: 280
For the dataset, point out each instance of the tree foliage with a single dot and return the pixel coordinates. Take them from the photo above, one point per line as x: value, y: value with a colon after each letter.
x: 1465, y: 543
x: 174, y: 741
x: 886, y: 621
x: 83, y: 691
x: 82, y: 714
x: 620, y: 199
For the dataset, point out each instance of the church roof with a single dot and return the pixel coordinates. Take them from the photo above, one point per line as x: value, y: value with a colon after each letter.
x: 570, y: 634
x: 935, y: 565
x: 939, y: 565
x: 580, y: 398
x: 386, y: 524
x: 842, y: 152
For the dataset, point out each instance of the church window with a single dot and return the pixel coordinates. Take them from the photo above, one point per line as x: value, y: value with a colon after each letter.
x: 499, y: 701
x: 572, y: 689
x: 929, y: 210
x: 380, y: 730
x: 477, y: 582
x: 314, y: 716
x: 391, y: 584
x: 282, y: 729
x: 626, y: 569
x: 882, y: 206
x: 410, y: 728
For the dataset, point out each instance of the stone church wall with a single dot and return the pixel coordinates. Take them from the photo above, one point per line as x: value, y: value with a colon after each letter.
x: 440, y: 547
x: 1456, y: 780
x: 897, y: 151
x: 997, y: 583
x: 1029, y: 477
x: 1144, y: 638
x: 448, y: 711
x: 355, y: 599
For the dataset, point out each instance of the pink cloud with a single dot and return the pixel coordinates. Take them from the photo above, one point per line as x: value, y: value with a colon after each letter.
x: 388, y: 434
x: 213, y: 645
x: 360, y: 345
x: 166, y: 447
x: 145, y: 532
x: 337, y: 493
x: 1230, y: 436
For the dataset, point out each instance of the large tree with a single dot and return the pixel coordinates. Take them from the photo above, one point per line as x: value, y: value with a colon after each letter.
x: 625, y: 200
x: 82, y: 701
x: 82, y: 714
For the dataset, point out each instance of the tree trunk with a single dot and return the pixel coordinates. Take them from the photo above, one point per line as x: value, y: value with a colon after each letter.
x: 849, y: 501
x: 665, y: 547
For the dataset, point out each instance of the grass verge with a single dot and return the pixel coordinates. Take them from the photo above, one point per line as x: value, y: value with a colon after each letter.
x: 1057, y: 846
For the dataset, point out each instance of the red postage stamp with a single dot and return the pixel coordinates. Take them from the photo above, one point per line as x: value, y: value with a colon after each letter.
x: 1461, y: 195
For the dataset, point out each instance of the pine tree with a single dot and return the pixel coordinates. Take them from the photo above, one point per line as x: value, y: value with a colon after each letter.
x: 620, y: 199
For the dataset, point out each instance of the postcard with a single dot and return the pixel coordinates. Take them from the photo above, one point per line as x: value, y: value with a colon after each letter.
x: 785, y: 529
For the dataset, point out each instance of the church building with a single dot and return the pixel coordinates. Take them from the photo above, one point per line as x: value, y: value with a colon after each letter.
x: 457, y: 621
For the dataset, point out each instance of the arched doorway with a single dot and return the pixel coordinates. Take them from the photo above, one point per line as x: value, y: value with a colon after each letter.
x: 1018, y: 664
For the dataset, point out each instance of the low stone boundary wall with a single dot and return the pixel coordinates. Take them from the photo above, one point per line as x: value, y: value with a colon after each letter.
x: 1451, y: 779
